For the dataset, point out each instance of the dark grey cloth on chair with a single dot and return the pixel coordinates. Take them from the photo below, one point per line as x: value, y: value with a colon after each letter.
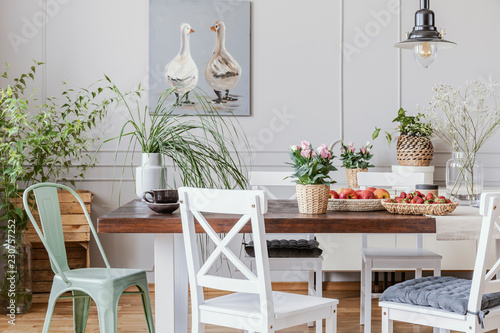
x: 289, y: 248
x: 442, y: 292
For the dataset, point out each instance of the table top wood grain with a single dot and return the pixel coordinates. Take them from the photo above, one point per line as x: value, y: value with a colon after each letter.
x: 282, y: 217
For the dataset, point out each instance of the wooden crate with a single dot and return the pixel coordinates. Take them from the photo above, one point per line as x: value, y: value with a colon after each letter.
x: 76, y: 236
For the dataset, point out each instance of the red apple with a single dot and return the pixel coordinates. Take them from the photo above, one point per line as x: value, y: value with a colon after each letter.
x: 366, y: 194
x: 348, y: 193
x: 333, y: 195
x: 381, y: 194
x: 358, y: 192
x: 373, y: 189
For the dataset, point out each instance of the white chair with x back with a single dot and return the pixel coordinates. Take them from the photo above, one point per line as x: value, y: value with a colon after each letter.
x: 251, y: 305
x: 447, y: 303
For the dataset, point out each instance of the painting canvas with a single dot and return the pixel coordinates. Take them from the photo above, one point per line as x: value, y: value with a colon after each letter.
x: 204, y: 45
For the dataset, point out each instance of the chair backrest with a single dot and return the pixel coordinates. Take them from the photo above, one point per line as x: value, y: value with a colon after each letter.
x: 395, y: 180
x: 251, y: 205
x: 481, y: 280
x: 52, y: 237
x: 405, y: 181
x: 261, y: 180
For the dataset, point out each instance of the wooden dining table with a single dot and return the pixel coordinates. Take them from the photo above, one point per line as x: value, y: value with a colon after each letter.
x: 171, y: 281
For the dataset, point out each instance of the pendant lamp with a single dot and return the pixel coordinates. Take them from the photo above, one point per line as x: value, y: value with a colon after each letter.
x: 425, y: 39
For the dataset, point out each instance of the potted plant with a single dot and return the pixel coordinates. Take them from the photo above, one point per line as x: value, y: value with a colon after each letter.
x: 37, y: 144
x: 355, y: 162
x: 465, y: 119
x: 203, y: 147
x: 312, y: 169
x: 414, y: 146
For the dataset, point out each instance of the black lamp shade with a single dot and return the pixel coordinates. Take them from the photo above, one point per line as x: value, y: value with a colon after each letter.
x: 424, y: 30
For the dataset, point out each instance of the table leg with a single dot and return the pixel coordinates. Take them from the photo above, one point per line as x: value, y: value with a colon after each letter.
x: 171, y: 284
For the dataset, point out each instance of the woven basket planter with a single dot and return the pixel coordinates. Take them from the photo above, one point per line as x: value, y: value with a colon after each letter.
x: 352, y: 176
x: 312, y: 199
x: 414, y: 150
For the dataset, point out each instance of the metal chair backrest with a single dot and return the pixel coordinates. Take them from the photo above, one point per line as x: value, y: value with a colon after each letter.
x: 52, y: 237
x: 252, y: 206
x: 482, y: 281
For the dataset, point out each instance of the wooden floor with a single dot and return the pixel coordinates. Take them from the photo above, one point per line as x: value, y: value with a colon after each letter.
x: 131, y: 318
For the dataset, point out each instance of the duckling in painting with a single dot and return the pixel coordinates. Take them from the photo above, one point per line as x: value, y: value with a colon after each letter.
x: 181, y: 72
x: 222, y: 72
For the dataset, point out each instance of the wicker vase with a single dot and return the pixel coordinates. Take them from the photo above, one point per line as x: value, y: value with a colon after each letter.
x: 312, y: 199
x: 352, y: 176
x: 414, y: 150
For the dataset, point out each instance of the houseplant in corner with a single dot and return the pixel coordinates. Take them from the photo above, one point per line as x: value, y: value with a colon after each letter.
x: 414, y: 147
x: 355, y: 162
x: 38, y: 143
x: 312, y: 169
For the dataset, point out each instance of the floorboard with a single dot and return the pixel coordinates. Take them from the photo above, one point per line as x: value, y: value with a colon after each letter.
x: 131, y: 318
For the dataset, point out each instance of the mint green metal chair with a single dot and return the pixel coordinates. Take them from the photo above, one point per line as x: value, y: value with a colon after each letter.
x: 103, y: 285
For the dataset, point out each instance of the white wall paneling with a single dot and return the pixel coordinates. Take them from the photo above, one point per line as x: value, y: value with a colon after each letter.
x: 298, y: 74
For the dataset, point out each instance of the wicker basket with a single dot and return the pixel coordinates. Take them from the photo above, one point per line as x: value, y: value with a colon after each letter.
x: 420, y: 209
x: 312, y: 199
x: 352, y: 176
x: 414, y: 150
x: 355, y: 205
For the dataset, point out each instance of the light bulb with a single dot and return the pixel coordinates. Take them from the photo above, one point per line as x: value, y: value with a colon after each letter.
x: 425, y: 53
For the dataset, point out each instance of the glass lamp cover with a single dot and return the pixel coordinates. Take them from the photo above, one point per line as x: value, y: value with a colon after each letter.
x: 425, y: 53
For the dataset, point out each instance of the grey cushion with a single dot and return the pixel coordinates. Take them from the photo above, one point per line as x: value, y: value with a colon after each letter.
x: 289, y: 248
x: 442, y: 292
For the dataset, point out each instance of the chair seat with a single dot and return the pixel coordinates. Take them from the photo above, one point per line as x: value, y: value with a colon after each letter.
x: 248, y: 305
x: 398, y: 253
x: 101, y: 275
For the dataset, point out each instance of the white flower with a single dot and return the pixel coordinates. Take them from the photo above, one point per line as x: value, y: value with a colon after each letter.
x: 293, y: 148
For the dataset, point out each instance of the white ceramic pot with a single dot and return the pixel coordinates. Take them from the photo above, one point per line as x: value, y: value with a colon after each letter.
x: 151, y: 174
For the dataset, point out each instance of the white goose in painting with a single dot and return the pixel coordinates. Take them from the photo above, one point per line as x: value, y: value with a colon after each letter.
x: 181, y: 73
x: 222, y: 72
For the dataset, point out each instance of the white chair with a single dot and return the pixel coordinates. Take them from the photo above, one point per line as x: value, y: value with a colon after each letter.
x: 252, y: 305
x: 373, y: 258
x: 482, y: 283
x: 263, y: 180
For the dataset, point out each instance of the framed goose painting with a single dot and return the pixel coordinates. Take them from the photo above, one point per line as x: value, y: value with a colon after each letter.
x: 200, y: 48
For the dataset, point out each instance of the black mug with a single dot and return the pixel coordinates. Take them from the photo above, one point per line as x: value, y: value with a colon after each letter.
x: 161, y: 196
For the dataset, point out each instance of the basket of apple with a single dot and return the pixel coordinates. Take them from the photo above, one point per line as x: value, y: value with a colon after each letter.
x: 350, y: 200
x: 417, y: 203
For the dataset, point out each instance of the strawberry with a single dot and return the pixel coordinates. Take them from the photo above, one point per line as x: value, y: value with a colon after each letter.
x: 389, y: 201
x: 420, y: 200
x: 429, y: 196
x: 399, y: 200
x: 448, y: 201
x: 402, y: 195
x: 413, y: 201
x: 418, y: 194
x: 428, y: 202
x: 409, y: 196
x: 441, y: 201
